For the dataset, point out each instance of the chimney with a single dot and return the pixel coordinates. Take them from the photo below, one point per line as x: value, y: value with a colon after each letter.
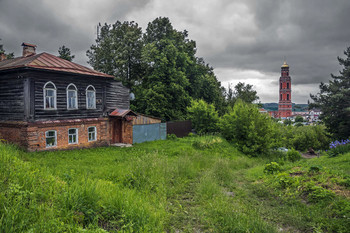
x: 28, y: 49
x: 2, y: 56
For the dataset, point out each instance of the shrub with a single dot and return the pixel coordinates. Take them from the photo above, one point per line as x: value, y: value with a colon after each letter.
x: 272, y: 168
x: 303, y: 138
x: 318, y: 193
x: 244, y: 125
x: 171, y: 137
x: 204, y: 117
x: 339, y: 147
x: 293, y: 155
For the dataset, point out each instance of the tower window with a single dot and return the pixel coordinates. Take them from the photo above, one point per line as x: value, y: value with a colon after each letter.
x: 287, y: 85
x: 281, y: 97
x: 281, y: 86
x: 287, y: 96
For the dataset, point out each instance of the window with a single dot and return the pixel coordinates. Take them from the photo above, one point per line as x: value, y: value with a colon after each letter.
x: 287, y: 96
x: 287, y: 85
x: 73, y: 136
x: 90, y: 97
x: 92, y: 133
x: 281, y: 97
x: 72, y: 97
x: 51, y: 138
x: 281, y: 86
x: 49, y: 96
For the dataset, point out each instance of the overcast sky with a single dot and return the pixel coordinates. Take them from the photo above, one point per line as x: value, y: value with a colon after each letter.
x: 244, y: 40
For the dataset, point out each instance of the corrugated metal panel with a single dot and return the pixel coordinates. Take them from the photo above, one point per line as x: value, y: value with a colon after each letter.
x: 122, y: 112
x: 150, y: 132
x: 144, y: 120
x: 49, y: 62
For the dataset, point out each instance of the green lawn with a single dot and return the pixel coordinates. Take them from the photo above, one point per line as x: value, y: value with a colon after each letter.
x: 196, y: 184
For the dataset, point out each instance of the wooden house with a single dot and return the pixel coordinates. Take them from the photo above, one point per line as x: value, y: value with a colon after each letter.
x: 49, y: 103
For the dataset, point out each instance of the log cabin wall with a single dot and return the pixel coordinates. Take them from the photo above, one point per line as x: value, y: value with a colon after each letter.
x: 110, y: 94
x: 11, y: 97
x: 117, y: 96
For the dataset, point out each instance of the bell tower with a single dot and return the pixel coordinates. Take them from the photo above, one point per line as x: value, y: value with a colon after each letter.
x: 285, y: 93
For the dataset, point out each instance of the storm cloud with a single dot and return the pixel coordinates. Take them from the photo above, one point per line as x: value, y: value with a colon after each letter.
x: 244, y: 40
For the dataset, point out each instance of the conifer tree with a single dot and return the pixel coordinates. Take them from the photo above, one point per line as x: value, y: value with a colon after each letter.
x: 334, y: 100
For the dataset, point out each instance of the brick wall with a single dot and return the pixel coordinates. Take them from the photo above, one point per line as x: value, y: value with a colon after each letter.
x: 32, y: 135
x: 14, y: 132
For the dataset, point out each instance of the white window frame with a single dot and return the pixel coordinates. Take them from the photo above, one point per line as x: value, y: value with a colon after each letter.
x: 76, y: 136
x: 48, y: 146
x: 89, y: 134
x: 55, y: 95
x: 94, y: 91
x: 76, y: 95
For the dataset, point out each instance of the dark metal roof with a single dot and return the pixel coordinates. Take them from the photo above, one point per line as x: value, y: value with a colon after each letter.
x: 122, y: 112
x: 48, y: 61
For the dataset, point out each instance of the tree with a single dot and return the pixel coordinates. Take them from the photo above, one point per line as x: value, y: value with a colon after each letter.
x: 204, y: 117
x: 243, y: 92
x: 65, y: 53
x: 299, y: 119
x: 2, y: 51
x: 334, y: 100
x: 163, y: 90
x: 118, y: 52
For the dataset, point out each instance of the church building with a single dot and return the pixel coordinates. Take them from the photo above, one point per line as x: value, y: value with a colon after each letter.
x: 285, y: 93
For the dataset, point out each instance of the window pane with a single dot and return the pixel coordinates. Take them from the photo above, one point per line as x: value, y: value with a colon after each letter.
x: 50, y: 92
x: 72, y: 98
x: 91, y: 129
x: 91, y: 99
x: 50, y: 133
x: 72, y: 131
x: 50, y: 138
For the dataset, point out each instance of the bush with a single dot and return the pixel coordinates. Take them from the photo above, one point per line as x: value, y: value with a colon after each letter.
x: 272, y: 168
x: 253, y: 132
x: 204, y: 117
x: 339, y: 147
x: 293, y: 155
x: 303, y: 138
x: 171, y: 137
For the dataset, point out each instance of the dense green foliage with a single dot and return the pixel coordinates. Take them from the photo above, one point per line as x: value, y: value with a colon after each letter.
x: 251, y: 131
x: 188, y: 185
x: 118, y: 52
x: 242, y: 91
x: 303, y: 138
x: 159, y: 66
x: 65, y: 53
x: 299, y: 119
x: 203, y: 116
x: 334, y: 100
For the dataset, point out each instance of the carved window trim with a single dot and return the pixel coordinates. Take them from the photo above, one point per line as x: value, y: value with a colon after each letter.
x: 52, y: 99
x: 75, y: 97
x: 90, y: 90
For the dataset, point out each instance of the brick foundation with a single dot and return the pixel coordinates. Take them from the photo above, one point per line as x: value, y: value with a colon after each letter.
x: 32, y: 135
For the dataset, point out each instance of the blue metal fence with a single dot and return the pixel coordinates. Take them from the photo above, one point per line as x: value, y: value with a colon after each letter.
x: 150, y: 132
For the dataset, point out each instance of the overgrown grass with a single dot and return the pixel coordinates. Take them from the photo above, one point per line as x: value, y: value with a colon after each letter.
x: 195, y: 184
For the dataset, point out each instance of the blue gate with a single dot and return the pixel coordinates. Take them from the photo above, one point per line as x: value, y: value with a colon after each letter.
x: 151, y: 132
